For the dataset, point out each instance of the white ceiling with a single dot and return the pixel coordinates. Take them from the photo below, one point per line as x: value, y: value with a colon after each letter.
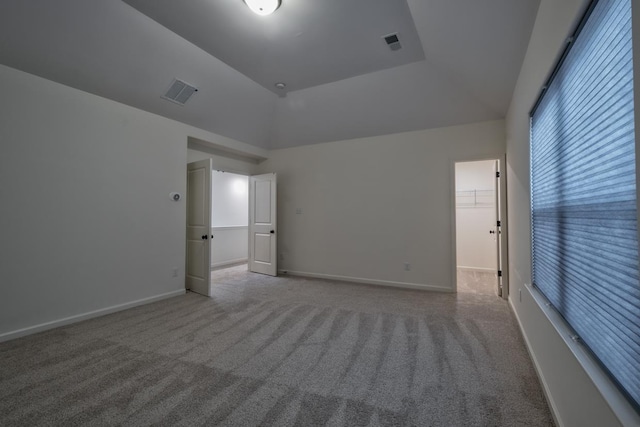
x: 460, y: 67
x: 302, y: 44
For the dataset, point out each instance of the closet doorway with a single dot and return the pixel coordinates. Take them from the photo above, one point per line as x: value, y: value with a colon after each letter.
x: 480, y: 229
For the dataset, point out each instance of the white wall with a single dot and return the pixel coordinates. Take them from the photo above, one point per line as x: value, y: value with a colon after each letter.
x: 220, y: 162
x: 476, y: 249
x: 579, y: 393
x: 370, y: 205
x: 230, y: 199
x: 86, y: 222
x: 229, y: 218
x: 229, y: 245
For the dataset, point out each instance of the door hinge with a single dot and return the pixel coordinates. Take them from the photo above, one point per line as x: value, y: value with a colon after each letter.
x: 499, y: 273
x: 497, y: 174
x: 498, y: 223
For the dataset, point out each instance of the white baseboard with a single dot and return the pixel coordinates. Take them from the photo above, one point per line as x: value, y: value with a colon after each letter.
x: 480, y: 269
x: 545, y: 387
x: 405, y: 285
x: 229, y: 262
x: 84, y: 316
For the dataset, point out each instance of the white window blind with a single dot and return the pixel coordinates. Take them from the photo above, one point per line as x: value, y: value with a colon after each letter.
x: 583, y: 193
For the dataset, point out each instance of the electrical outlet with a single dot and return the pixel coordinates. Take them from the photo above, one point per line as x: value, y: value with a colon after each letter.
x: 175, y: 272
x: 298, y: 211
x: 407, y: 266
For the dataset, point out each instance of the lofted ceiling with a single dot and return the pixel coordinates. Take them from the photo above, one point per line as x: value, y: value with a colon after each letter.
x: 458, y: 64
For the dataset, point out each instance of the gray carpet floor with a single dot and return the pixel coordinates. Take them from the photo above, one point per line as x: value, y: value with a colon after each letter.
x: 281, y: 351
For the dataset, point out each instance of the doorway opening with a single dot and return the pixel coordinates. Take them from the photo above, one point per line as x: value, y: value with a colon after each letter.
x: 229, y: 221
x: 479, y: 228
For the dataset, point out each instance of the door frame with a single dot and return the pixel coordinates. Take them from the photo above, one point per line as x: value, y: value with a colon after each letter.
x: 249, y: 175
x: 504, y: 225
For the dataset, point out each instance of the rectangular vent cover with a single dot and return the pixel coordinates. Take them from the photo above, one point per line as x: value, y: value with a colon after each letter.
x: 179, y: 92
x: 393, y: 41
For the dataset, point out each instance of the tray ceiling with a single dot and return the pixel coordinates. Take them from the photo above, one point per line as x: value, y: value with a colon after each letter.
x: 459, y: 62
x: 302, y: 44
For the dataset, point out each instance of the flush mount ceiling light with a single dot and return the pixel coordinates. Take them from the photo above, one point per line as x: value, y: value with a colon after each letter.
x: 280, y: 85
x: 263, y: 7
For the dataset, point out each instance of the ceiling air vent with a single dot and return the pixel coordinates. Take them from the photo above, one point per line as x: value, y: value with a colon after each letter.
x: 393, y: 41
x: 179, y: 92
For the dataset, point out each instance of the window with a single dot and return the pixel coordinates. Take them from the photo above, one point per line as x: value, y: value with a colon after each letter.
x: 583, y: 193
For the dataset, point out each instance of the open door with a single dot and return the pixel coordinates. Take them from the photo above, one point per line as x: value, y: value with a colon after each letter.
x: 262, y: 224
x: 503, y: 241
x: 501, y: 238
x: 480, y: 229
x: 496, y: 230
x: 198, y: 274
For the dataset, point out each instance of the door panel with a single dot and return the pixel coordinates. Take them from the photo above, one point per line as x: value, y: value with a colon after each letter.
x: 198, y: 274
x: 262, y: 247
x: 263, y: 224
x: 195, y: 260
x: 496, y: 192
x: 196, y: 197
x: 503, y: 262
x: 263, y: 202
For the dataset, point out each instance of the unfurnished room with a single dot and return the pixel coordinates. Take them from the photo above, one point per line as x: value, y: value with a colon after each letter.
x: 319, y: 213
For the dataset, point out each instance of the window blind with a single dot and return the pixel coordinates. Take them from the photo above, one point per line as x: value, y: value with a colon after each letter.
x: 583, y: 193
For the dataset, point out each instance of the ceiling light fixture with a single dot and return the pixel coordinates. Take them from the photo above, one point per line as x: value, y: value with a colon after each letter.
x: 280, y: 85
x: 263, y: 7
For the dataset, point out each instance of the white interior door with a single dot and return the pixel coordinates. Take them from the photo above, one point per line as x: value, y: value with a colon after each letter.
x: 262, y: 224
x: 496, y: 228
x: 501, y: 235
x: 198, y: 274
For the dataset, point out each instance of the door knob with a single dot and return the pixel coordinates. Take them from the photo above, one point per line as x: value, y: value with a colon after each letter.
x: 273, y: 231
x: 205, y: 237
x: 492, y: 232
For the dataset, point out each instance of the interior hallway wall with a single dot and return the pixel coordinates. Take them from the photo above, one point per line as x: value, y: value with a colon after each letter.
x: 360, y: 209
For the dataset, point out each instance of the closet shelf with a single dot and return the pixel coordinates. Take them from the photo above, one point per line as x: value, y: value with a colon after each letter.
x: 475, y: 198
